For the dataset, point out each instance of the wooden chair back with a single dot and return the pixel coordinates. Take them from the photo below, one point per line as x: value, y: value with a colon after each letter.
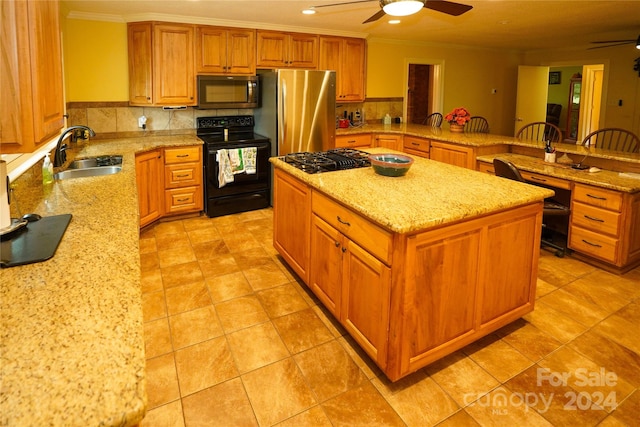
x: 613, y: 139
x: 433, y: 119
x: 477, y: 124
x: 506, y: 169
x: 540, y: 131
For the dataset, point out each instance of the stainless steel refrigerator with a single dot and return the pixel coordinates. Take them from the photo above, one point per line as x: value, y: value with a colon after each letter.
x: 298, y: 110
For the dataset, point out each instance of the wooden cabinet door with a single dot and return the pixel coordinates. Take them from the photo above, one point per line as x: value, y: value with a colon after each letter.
x: 303, y: 51
x: 352, y: 80
x: 139, y: 37
x: 211, y: 50
x: 149, y: 178
x: 346, y: 56
x: 366, y: 286
x: 291, y: 222
x: 32, y: 107
x: 173, y: 64
x: 353, y: 141
x: 452, y: 154
x: 271, y: 49
x: 325, y: 276
x: 392, y: 142
x: 241, y: 51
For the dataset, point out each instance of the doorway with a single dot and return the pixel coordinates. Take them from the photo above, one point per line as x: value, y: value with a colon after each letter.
x: 419, y: 93
x: 424, y: 88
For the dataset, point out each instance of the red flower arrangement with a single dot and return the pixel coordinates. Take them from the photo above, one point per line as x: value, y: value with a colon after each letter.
x: 458, y: 116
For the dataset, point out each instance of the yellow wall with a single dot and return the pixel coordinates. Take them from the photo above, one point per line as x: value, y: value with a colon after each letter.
x: 95, y: 60
x: 469, y: 77
x: 620, y: 83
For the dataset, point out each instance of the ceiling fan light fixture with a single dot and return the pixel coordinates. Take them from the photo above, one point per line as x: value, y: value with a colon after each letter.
x: 638, y: 43
x: 401, y: 7
x: 309, y: 11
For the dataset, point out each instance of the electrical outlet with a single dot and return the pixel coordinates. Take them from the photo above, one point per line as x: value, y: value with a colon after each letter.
x: 142, y: 122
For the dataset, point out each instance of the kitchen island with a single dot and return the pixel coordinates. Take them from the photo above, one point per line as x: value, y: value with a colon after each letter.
x: 413, y: 267
x: 72, y: 348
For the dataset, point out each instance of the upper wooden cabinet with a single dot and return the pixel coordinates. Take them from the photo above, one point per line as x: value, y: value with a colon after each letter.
x: 286, y: 50
x: 161, y: 64
x: 225, y: 50
x: 32, y: 107
x: 347, y: 57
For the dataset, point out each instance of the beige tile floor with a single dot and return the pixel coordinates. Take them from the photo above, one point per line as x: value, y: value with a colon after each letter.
x: 232, y: 339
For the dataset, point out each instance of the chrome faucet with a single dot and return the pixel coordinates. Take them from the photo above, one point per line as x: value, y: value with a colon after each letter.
x: 60, y: 155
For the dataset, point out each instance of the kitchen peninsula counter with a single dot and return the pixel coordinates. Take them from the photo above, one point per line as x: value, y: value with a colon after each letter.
x: 483, y: 141
x: 72, y: 348
x: 414, y: 267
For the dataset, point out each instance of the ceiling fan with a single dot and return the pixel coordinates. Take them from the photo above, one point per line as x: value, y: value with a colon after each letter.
x: 611, y: 43
x: 408, y: 7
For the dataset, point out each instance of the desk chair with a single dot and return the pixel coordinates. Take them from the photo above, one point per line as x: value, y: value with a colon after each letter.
x: 477, y: 124
x: 613, y: 139
x: 506, y: 169
x: 540, y: 131
x: 433, y: 120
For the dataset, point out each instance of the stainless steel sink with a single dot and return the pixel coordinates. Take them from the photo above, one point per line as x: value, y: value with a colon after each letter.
x: 92, y: 166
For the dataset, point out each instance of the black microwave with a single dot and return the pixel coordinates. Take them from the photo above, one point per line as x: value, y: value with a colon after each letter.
x: 228, y: 92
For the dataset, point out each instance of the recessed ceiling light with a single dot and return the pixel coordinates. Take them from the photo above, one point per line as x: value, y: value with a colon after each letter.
x: 394, y: 21
x: 309, y: 11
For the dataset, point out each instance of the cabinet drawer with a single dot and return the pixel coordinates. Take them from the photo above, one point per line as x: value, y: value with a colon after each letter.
x: 595, y: 244
x: 412, y: 143
x: 183, y: 199
x: 486, y: 168
x: 182, y: 175
x: 596, y: 219
x: 353, y: 140
x: 546, y: 180
x: 600, y: 197
x: 181, y: 155
x: 371, y: 237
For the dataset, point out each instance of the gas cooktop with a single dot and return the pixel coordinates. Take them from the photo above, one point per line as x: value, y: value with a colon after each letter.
x: 327, y: 161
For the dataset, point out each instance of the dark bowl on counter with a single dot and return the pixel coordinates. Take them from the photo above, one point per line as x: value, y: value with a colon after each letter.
x: 389, y: 164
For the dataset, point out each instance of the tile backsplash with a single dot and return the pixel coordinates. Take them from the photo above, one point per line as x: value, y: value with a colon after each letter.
x: 118, y: 119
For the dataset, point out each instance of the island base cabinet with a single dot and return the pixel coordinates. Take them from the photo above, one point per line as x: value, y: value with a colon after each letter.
x: 292, y: 222
x: 457, y: 289
x: 353, y: 285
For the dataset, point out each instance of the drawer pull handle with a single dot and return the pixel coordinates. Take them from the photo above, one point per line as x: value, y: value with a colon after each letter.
x: 343, y: 222
x: 535, y: 178
x: 351, y: 141
x: 415, y: 143
x: 594, y: 219
x: 182, y: 155
x: 592, y: 244
x: 596, y: 197
x: 182, y: 200
x: 183, y: 175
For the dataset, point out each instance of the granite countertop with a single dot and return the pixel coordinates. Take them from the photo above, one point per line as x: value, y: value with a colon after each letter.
x: 430, y: 194
x: 604, y: 178
x: 484, y: 139
x: 72, y: 347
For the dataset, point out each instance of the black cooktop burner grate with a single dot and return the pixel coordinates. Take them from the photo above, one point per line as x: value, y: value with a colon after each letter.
x: 326, y: 161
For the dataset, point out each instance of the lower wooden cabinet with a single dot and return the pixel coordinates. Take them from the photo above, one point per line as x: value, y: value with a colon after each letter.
x: 169, y: 182
x: 452, y: 154
x: 416, y: 146
x: 353, y: 141
x: 390, y: 141
x: 148, y: 174
x: 409, y: 299
x: 353, y: 285
x: 291, y: 222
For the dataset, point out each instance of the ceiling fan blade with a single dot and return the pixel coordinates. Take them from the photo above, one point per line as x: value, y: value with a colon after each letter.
x: 342, y: 4
x: 611, y: 45
x: 614, y: 41
x: 448, y: 7
x: 379, y: 14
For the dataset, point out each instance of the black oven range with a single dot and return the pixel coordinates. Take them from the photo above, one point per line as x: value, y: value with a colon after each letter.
x: 248, y: 190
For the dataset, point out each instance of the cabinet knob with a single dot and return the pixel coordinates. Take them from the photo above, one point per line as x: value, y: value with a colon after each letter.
x: 337, y: 244
x: 344, y: 249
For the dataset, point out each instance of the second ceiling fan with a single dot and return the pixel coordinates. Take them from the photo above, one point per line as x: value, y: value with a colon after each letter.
x: 408, y: 7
